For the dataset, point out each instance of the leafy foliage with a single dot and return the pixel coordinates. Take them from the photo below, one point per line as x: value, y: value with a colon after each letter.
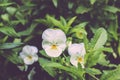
x: 99, y: 39
x: 110, y: 75
x: 93, y: 22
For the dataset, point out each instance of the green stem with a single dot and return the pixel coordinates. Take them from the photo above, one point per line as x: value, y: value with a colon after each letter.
x: 93, y: 76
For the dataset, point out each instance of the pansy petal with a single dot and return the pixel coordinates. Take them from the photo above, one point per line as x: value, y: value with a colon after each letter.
x: 35, y: 57
x: 34, y: 50
x: 46, y: 44
x: 50, y: 52
x: 60, y: 35
x: 62, y: 46
x: 28, y: 61
x: 75, y: 48
x: 47, y: 34
x: 53, y: 52
x: 22, y: 55
x: 73, y: 61
x: 53, y: 35
x: 30, y: 49
x: 83, y: 51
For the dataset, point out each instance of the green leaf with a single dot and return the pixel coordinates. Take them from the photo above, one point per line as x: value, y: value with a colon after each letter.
x: 20, y: 17
x: 67, y: 27
x: 92, y: 1
x: 31, y: 74
x: 82, y: 9
x: 79, y: 27
x: 119, y: 47
x: 63, y: 21
x: 11, y: 10
x: 55, y: 22
x: 82, y: 25
x: 5, y: 17
x: 68, y: 69
x: 17, y: 40
x: 99, y: 39
x: 55, y: 2
x: 6, y: 4
x: 110, y: 50
x: 42, y: 52
x: 9, y: 45
x: 3, y: 40
x: 111, y: 9
x: 9, y: 31
x: 28, y: 31
x: 18, y: 14
x: 102, y: 60
x: 71, y: 21
x: 93, y: 71
x: 11, y: 56
x: 113, y: 28
x: 50, y: 70
x: 70, y: 5
x: 50, y: 64
x: 91, y: 59
x: 111, y: 74
x: 43, y: 21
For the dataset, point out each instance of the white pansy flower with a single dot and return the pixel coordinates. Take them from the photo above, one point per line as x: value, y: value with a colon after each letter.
x: 29, y: 54
x: 77, y: 53
x: 54, y: 42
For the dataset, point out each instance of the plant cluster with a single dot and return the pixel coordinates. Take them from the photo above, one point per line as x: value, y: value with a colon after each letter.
x: 59, y: 40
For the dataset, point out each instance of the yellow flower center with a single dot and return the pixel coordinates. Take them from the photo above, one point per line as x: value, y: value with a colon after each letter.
x: 29, y: 57
x: 54, y: 46
x: 80, y: 59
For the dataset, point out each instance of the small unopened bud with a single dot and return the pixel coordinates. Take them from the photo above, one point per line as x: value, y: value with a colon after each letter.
x: 69, y: 41
x: 81, y: 33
